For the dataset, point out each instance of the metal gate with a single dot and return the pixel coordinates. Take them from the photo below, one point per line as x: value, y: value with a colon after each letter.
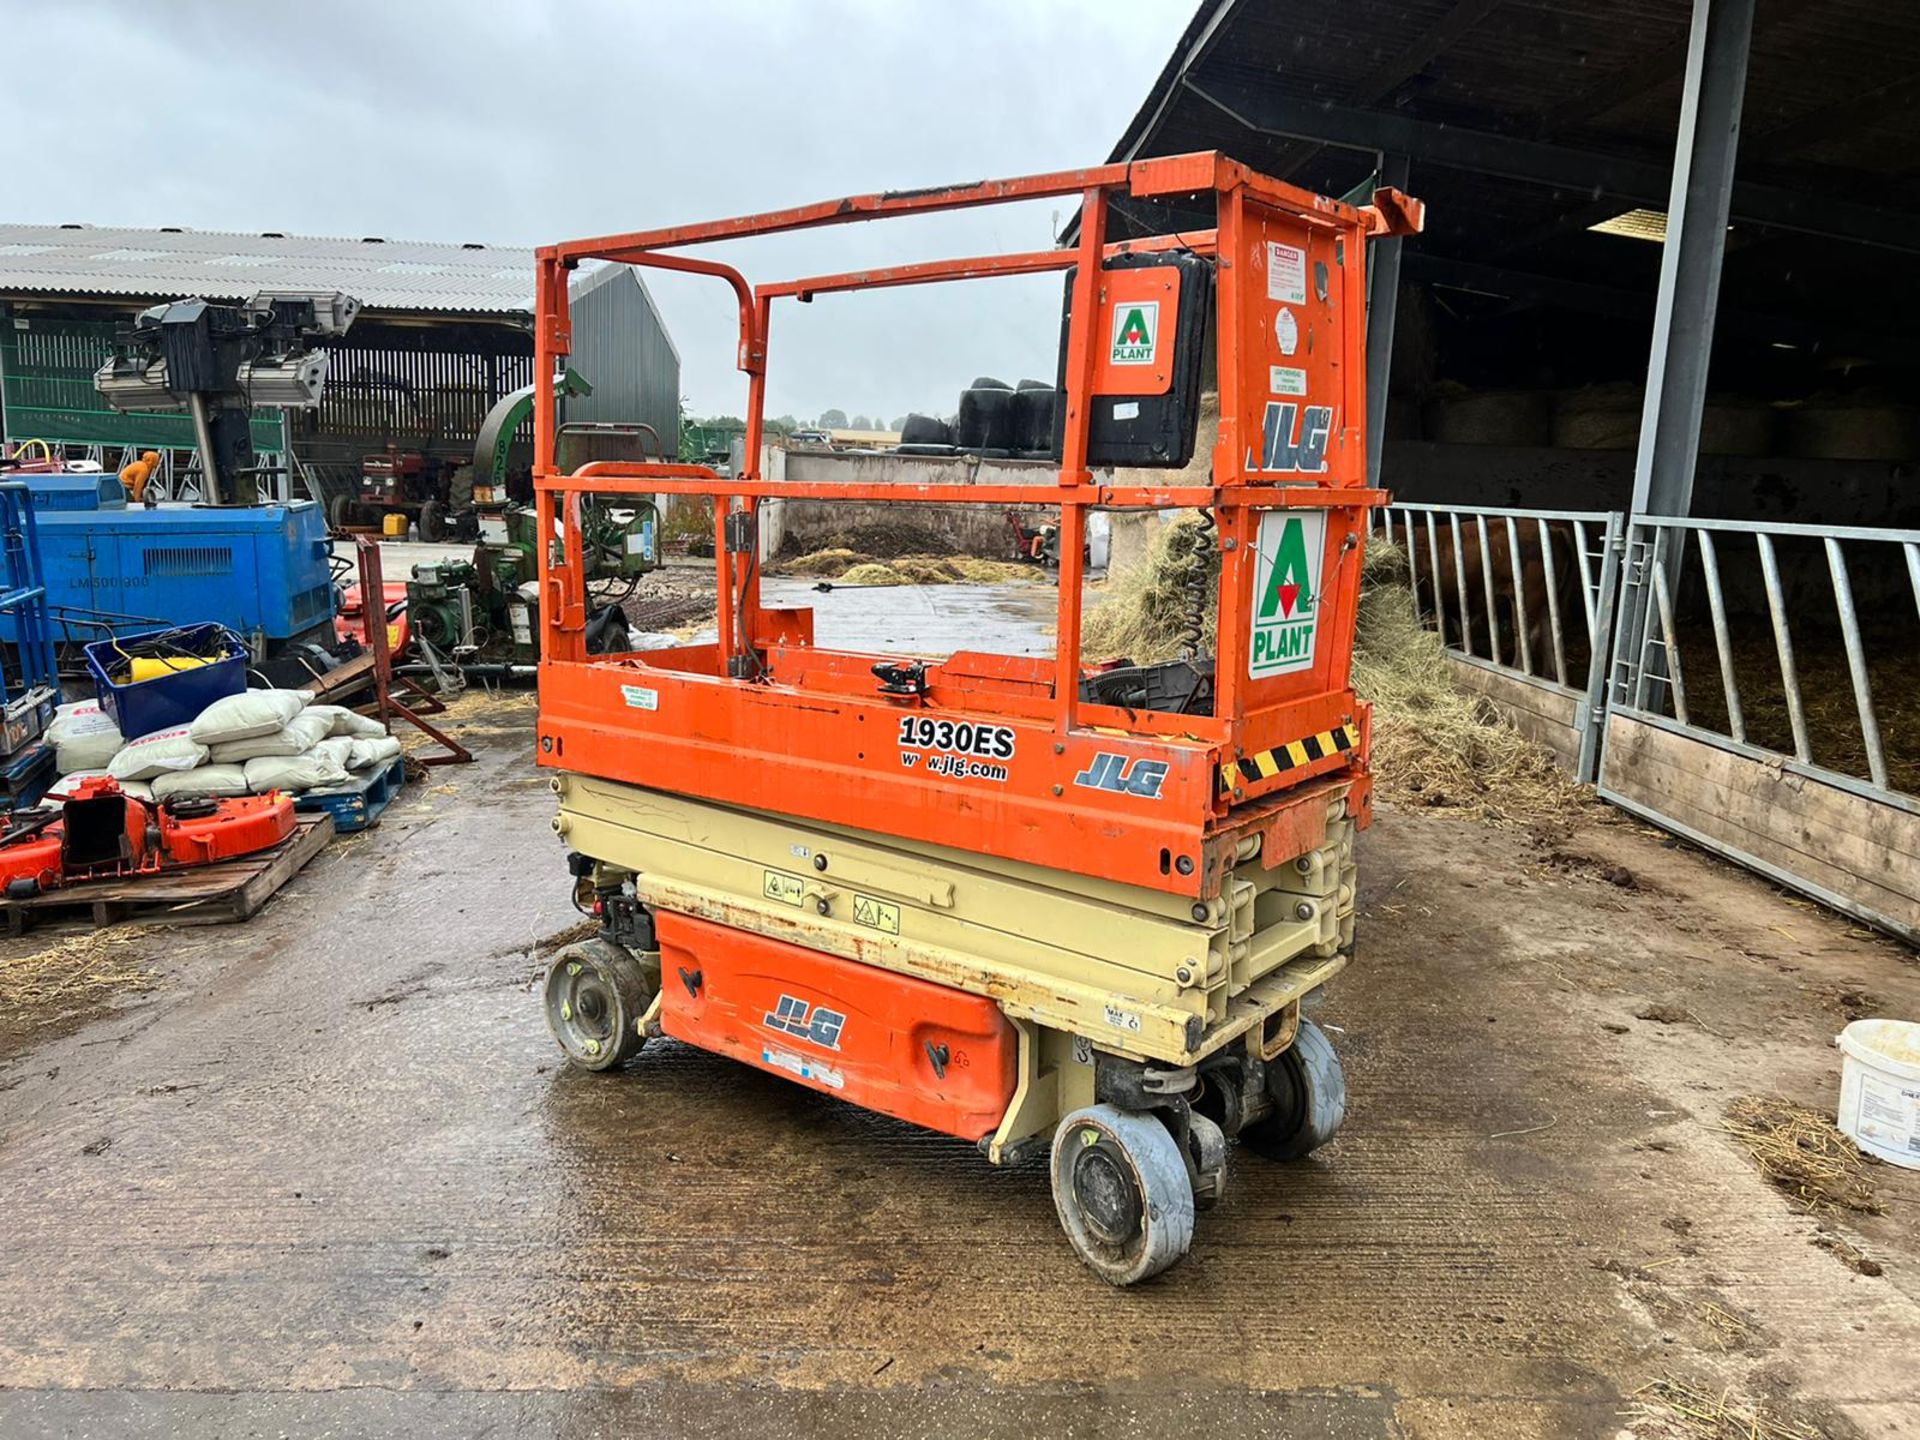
x: 1761, y: 738
x: 1523, y: 601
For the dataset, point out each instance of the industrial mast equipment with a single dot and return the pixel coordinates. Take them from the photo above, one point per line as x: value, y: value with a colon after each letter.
x: 217, y: 362
x: 1015, y: 899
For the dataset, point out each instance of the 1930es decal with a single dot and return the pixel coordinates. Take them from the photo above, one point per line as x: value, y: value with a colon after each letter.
x: 955, y: 749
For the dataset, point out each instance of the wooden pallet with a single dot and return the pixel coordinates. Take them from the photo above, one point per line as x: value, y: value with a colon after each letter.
x: 361, y: 801
x: 198, y: 895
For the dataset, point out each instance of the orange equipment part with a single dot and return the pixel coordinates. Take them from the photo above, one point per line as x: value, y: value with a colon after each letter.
x: 919, y: 1052
x: 238, y: 826
x: 1003, y: 754
x: 100, y: 831
x: 351, y: 622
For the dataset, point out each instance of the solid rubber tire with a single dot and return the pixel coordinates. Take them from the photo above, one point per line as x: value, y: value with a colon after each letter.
x: 1309, y: 1089
x: 1150, y: 1158
x: 609, y: 977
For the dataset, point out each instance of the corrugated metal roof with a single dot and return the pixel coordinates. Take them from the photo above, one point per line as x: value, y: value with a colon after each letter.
x: 391, y: 275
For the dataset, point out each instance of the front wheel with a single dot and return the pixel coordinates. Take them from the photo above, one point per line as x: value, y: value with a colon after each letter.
x: 595, y: 996
x: 1122, y: 1192
x: 1309, y: 1092
x: 433, y: 523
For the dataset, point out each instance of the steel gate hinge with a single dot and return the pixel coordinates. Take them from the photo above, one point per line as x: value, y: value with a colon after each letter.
x: 740, y: 530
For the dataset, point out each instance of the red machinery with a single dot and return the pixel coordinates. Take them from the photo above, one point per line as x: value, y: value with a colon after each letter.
x: 1020, y: 899
x: 101, y: 831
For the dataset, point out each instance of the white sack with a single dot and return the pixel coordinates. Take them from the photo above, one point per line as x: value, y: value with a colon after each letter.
x: 84, y: 737
x: 292, y: 774
x: 250, y: 713
x: 215, y: 780
x: 367, y: 754
x: 157, y: 754
x: 296, y: 737
x: 348, y: 722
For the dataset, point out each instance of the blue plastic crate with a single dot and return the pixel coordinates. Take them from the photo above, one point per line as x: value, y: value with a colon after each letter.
x: 358, y: 803
x: 140, y: 709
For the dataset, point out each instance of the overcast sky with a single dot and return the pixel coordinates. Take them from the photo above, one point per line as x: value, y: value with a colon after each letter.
x: 517, y: 122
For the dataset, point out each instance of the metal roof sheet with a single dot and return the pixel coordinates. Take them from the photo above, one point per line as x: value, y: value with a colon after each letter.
x: 391, y: 275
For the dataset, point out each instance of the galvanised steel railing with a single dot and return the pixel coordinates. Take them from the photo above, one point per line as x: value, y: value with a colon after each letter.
x: 1552, y: 575
x: 1651, y: 675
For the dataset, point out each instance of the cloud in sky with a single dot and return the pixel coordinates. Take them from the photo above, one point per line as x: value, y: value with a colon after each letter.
x: 515, y: 122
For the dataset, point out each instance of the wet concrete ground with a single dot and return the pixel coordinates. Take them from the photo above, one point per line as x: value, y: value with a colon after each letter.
x: 329, y: 1179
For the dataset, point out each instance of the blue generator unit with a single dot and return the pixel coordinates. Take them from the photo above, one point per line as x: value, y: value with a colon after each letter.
x: 263, y: 571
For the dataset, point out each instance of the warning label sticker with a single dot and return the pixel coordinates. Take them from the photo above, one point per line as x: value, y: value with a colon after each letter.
x: 787, y: 889
x: 1286, y: 274
x: 1286, y: 587
x: 1284, y: 380
x: 876, y: 914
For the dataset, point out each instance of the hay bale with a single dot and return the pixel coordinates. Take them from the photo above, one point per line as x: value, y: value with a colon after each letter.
x: 1840, y: 429
x: 1147, y: 609
x: 1492, y: 417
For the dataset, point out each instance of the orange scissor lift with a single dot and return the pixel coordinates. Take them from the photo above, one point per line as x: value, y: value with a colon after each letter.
x: 1020, y: 900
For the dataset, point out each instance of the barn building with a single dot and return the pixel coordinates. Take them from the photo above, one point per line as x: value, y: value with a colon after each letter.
x: 1643, y: 391
x: 445, y: 330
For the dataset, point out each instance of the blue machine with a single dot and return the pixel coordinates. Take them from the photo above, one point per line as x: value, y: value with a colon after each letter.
x: 29, y: 687
x: 261, y: 570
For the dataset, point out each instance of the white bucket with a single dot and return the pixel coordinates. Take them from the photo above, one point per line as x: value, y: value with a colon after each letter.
x: 1880, y: 1089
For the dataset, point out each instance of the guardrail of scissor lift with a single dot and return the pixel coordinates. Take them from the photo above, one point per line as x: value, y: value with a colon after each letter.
x: 1455, y: 555
x: 1652, y: 669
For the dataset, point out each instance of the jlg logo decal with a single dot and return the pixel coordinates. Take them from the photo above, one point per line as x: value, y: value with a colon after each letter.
x: 1293, y: 439
x: 1114, y: 772
x: 815, y: 1023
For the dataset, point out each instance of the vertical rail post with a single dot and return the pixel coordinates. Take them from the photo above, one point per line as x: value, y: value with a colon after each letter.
x: 1722, y: 640
x: 1553, y: 604
x: 1856, y: 662
x: 1460, y: 585
x: 1586, y: 573
x: 1602, y: 607
x: 1524, y: 640
x: 1486, y: 583
x: 1783, y: 647
x: 1669, y: 636
x: 1433, y: 576
x: 1081, y: 363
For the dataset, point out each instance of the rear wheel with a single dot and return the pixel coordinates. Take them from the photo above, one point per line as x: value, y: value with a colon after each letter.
x: 1309, y: 1093
x: 340, y: 513
x: 433, y: 522
x: 596, y: 993
x: 1122, y: 1192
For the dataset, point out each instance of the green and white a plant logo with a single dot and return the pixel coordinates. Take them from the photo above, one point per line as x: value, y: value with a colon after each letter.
x: 1286, y: 591
x: 1136, y: 332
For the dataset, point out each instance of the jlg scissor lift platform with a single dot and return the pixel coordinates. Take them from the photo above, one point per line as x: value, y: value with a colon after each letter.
x: 1014, y: 899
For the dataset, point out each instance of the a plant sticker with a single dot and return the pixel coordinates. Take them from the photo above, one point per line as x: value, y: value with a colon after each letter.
x: 1136, y: 332
x: 1286, y: 591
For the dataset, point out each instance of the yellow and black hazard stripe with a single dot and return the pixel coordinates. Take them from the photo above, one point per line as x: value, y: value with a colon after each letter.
x: 1265, y: 764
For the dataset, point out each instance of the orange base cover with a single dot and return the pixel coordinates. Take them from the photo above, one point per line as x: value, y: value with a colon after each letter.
x: 907, y: 1048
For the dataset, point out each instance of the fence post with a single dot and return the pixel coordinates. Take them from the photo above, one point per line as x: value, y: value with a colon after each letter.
x: 1592, y: 714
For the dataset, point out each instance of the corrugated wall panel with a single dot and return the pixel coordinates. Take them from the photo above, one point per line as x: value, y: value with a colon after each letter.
x: 621, y: 347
